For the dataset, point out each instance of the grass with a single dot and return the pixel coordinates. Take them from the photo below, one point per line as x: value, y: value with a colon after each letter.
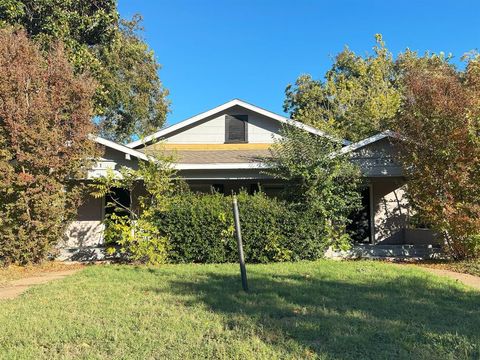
x: 13, y: 272
x: 324, y: 309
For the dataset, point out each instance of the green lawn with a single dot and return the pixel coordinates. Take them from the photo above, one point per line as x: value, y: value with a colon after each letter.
x: 324, y: 309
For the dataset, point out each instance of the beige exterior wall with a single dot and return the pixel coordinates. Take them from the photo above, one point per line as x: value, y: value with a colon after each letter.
x: 261, y: 129
x: 87, y: 229
x: 390, y: 208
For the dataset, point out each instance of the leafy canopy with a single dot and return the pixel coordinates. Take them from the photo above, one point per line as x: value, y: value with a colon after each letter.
x: 130, y: 99
x: 439, y: 127
x: 434, y: 108
x: 357, y: 99
x: 320, y: 180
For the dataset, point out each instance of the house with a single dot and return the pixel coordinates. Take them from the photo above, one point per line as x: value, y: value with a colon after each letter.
x: 222, y: 149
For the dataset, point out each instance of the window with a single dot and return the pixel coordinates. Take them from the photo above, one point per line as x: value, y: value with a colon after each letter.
x: 236, y: 128
x: 117, y: 202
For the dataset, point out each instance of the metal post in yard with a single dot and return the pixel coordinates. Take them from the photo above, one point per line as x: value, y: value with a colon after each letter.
x: 238, y: 233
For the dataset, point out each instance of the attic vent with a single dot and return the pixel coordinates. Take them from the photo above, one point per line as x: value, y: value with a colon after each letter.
x: 236, y: 128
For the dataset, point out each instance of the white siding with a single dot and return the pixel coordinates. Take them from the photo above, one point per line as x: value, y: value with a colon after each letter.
x: 211, y: 131
x: 113, y: 160
x: 262, y: 130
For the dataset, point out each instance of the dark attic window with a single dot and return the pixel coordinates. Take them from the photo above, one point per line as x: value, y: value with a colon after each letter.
x: 236, y: 128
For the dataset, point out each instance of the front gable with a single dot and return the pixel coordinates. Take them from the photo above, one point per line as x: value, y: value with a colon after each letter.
x: 214, y: 129
x: 376, y: 155
x: 262, y: 127
x: 235, y: 135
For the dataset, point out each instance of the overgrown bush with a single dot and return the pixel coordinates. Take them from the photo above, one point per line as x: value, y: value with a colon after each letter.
x: 45, y: 121
x: 200, y: 228
x: 137, y: 240
x: 321, y: 182
x: 130, y: 230
x: 311, y: 216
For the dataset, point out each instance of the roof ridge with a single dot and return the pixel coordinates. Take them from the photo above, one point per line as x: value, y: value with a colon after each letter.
x: 193, y: 119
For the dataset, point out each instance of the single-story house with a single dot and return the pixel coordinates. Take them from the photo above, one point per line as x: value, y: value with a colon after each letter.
x: 221, y: 149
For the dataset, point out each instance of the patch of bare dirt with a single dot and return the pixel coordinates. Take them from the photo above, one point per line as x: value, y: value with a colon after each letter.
x: 14, y: 280
x: 14, y: 272
x: 466, y: 279
x: 17, y: 287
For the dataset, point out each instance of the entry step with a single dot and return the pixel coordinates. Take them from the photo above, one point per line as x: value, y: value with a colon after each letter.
x: 367, y: 251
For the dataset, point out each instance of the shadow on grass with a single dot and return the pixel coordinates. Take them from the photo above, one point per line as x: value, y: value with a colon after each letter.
x: 405, y: 317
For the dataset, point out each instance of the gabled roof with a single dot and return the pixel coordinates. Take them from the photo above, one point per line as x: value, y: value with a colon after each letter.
x: 223, y: 107
x: 234, y: 165
x: 367, y: 141
x: 221, y: 166
x: 119, y: 147
x: 178, y: 166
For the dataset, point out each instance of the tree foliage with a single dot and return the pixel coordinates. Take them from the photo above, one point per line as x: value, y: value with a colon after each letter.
x: 132, y: 228
x: 439, y: 127
x: 45, y: 121
x: 130, y: 98
x: 435, y: 109
x: 357, y: 99
x: 320, y: 180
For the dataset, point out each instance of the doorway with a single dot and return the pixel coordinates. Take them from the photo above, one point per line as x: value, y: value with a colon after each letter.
x: 360, y: 226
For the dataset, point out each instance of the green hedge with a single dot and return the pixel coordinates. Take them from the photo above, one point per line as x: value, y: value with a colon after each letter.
x: 200, y: 229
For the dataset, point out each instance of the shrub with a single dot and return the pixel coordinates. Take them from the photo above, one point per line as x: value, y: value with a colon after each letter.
x: 138, y: 240
x: 200, y: 228
x: 129, y: 230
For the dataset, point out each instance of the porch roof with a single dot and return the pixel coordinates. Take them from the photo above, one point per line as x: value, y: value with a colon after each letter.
x: 217, y: 156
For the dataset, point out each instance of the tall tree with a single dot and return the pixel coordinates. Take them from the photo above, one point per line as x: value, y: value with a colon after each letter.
x: 439, y: 127
x: 358, y: 97
x: 322, y: 183
x: 45, y: 121
x: 130, y: 99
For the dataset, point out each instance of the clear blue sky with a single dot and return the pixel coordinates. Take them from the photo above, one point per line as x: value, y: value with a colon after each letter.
x: 213, y: 51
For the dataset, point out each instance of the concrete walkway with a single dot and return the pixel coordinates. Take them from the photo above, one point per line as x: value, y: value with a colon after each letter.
x: 17, y: 287
x: 467, y: 279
